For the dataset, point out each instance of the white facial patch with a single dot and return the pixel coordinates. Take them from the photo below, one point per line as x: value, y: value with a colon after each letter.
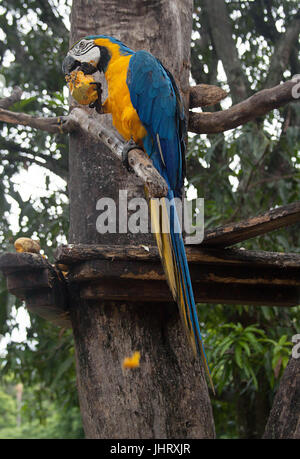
x: 85, y: 51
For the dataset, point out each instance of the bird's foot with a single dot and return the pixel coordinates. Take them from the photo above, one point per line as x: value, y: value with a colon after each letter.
x: 131, y: 145
x: 98, y: 103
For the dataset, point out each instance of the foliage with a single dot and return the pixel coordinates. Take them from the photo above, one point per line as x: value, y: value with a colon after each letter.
x: 34, y: 203
x: 240, y: 173
x: 55, y: 423
x: 256, y: 168
x: 8, y: 411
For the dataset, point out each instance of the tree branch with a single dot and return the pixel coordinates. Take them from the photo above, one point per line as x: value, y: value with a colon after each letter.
x: 137, y: 158
x: 257, y: 105
x: 15, y: 96
x: 51, y: 125
x: 200, y: 123
x: 203, y: 95
x: 80, y: 119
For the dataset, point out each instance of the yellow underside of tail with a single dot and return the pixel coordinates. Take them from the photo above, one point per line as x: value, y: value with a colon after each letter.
x: 174, y: 275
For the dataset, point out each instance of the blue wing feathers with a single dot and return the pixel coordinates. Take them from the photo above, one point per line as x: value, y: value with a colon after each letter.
x: 153, y: 96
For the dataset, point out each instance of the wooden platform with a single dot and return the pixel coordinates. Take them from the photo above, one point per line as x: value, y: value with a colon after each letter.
x: 126, y: 273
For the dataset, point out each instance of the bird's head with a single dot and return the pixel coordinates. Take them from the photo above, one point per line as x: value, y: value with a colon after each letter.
x: 86, y: 55
x: 93, y: 53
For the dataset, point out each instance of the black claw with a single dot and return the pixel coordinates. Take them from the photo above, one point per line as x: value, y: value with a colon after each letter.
x: 98, y: 103
x: 131, y: 145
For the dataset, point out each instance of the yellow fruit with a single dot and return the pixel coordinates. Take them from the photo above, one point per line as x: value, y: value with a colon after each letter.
x: 25, y: 244
x: 132, y: 362
x: 81, y: 88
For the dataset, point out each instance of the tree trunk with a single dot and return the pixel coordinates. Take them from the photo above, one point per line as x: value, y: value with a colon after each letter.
x: 167, y: 396
x: 284, y: 419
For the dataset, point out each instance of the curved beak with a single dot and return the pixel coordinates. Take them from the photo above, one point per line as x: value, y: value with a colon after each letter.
x: 69, y: 64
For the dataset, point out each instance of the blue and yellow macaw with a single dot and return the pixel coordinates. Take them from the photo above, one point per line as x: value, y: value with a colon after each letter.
x: 147, y: 110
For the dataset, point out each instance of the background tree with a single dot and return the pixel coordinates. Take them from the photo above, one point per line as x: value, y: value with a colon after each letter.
x: 251, y: 46
x: 256, y: 167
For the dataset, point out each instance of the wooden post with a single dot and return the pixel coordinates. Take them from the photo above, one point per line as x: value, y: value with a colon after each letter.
x: 167, y: 396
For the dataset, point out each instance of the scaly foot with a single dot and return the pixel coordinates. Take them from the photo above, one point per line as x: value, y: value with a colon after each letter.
x: 131, y: 145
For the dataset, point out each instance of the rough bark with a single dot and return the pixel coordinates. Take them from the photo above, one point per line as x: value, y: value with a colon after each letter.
x: 203, y: 95
x: 284, y: 419
x: 160, y: 399
x: 167, y: 396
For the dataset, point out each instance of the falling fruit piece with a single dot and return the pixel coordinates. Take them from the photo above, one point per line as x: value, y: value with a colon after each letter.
x: 132, y: 362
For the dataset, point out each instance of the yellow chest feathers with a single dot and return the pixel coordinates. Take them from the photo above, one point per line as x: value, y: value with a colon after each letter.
x: 118, y: 103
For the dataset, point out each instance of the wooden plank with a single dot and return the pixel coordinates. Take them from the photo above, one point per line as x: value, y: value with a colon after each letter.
x: 214, y: 273
x: 18, y: 261
x: 229, y: 276
x: 18, y: 282
x: 215, y: 282
x: 220, y: 237
x: 74, y: 254
x: 233, y: 233
x: 157, y: 292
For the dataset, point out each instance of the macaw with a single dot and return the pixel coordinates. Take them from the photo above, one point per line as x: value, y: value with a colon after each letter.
x: 148, y: 112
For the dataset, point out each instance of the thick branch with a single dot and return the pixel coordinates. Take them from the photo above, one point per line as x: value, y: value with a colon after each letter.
x: 15, y: 96
x: 200, y: 96
x: 203, y: 95
x: 257, y: 105
x: 51, y: 125
x: 201, y: 123
x: 79, y: 118
x: 137, y: 158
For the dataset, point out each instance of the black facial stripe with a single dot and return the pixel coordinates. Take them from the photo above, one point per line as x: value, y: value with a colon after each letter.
x: 81, y: 48
x: 104, y: 59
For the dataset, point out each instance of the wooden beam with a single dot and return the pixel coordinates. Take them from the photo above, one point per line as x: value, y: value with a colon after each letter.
x: 33, y: 279
x: 242, y: 273
x: 223, y: 236
x: 157, y: 292
x: 74, y: 254
x: 219, y: 275
x: 17, y: 261
x: 233, y: 233
x: 222, y: 280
